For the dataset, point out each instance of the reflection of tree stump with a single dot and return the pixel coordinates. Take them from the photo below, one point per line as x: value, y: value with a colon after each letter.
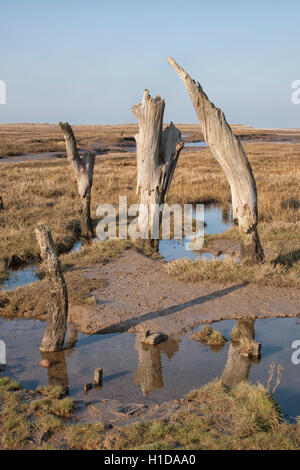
x: 57, y: 372
x: 72, y: 336
x: 238, y: 367
x: 149, y: 374
x: 245, y: 328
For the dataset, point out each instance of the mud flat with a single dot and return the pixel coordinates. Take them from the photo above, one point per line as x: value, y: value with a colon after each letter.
x: 139, y: 296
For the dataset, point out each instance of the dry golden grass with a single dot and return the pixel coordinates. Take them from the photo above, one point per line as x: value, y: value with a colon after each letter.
x: 19, y: 139
x: 228, y: 270
x: 207, y: 335
x: 46, y: 191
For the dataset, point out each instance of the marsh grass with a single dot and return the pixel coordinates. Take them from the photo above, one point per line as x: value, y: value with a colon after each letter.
x: 23, y: 417
x: 36, y: 192
x: 213, y: 417
x: 229, y: 270
x: 207, y: 335
x: 87, y: 436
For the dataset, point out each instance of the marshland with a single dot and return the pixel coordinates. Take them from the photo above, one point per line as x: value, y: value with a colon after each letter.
x: 149, y: 226
x: 116, y: 290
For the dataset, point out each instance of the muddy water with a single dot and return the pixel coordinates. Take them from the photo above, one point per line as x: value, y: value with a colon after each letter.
x: 137, y: 373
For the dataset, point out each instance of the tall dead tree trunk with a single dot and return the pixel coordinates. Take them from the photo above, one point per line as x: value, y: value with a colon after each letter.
x: 157, y: 155
x: 83, y: 169
x: 54, y: 336
x: 228, y: 151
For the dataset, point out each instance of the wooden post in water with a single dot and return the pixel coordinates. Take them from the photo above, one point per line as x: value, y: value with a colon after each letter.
x: 157, y: 154
x: 83, y: 169
x: 54, y: 335
x: 229, y: 153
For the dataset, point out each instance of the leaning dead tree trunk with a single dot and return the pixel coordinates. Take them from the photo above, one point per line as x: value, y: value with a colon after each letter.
x: 157, y: 155
x: 83, y: 169
x: 54, y: 336
x: 228, y: 151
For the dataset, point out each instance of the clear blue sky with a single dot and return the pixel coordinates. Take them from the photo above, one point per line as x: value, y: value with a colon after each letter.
x: 89, y: 61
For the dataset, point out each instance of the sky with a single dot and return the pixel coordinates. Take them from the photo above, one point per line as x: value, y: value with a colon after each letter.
x: 88, y: 62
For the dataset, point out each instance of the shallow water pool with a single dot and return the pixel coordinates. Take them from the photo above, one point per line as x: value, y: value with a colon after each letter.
x: 137, y: 373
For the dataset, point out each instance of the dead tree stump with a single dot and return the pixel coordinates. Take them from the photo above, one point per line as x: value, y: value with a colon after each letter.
x: 157, y: 155
x: 54, y: 335
x: 229, y: 153
x: 83, y: 169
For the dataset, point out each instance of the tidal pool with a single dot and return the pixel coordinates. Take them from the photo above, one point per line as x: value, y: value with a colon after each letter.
x: 217, y: 219
x: 191, y: 145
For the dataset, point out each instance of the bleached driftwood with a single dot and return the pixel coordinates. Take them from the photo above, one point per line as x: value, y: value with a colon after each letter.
x: 54, y: 336
x: 83, y: 169
x: 157, y: 155
x: 228, y: 151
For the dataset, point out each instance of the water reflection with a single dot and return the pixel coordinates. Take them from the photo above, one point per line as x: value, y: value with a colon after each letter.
x: 217, y: 219
x: 237, y: 368
x: 149, y: 376
x: 161, y: 373
x: 57, y: 371
x: 72, y: 336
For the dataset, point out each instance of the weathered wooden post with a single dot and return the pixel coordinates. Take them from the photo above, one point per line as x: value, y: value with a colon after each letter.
x: 157, y: 155
x: 228, y: 151
x: 54, y: 336
x: 83, y: 169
